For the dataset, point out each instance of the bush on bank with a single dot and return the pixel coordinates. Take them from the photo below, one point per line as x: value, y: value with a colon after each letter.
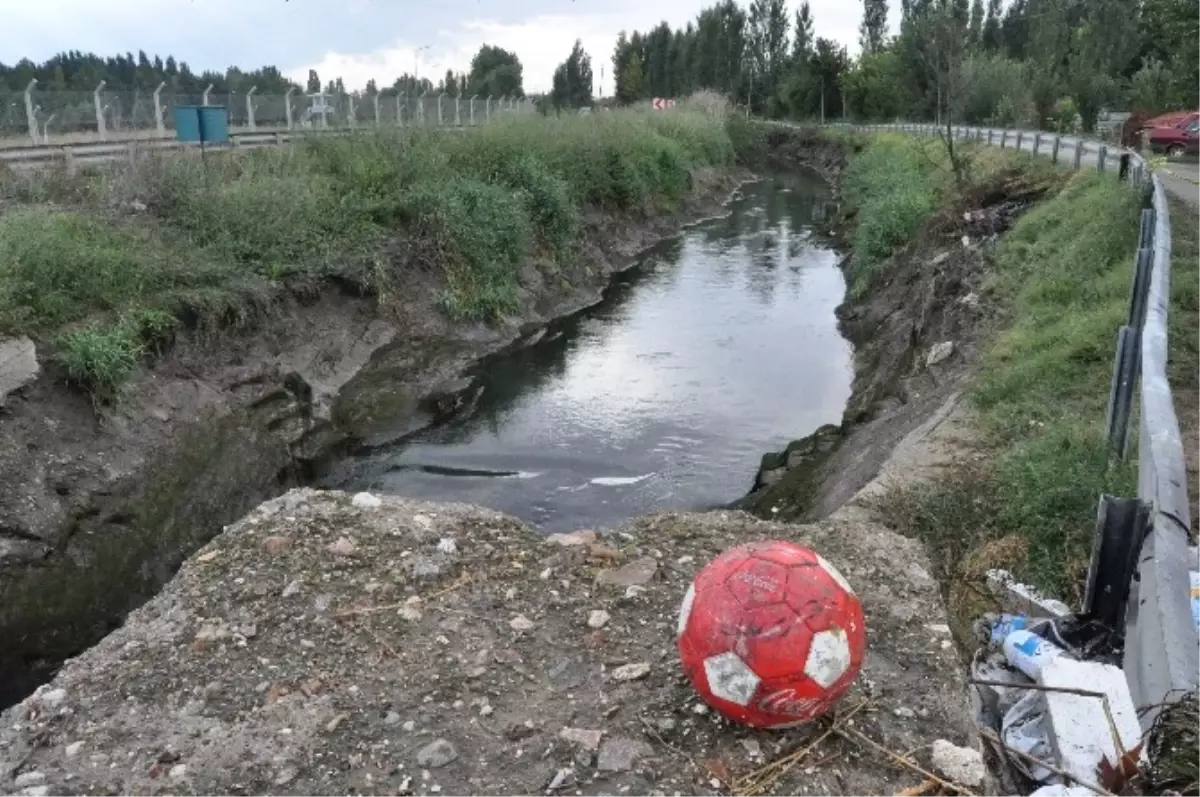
x: 80, y: 253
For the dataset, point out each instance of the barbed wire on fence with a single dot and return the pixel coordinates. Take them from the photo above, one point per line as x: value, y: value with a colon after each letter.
x: 40, y: 117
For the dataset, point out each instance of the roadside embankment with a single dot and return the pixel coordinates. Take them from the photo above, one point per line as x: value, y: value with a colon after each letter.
x: 183, y: 338
x: 999, y: 293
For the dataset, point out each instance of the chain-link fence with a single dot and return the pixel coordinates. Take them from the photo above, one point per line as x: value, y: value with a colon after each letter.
x: 39, y: 117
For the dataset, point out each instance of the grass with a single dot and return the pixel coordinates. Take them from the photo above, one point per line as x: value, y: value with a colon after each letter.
x: 895, y: 183
x: 1060, y: 279
x: 82, y: 255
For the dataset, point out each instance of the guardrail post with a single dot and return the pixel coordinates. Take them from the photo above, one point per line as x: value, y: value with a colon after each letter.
x: 1101, y: 157
x: 990, y: 131
x: 375, y: 101
x: 250, y: 107
x: 1120, y: 391
x: 204, y: 97
x: 1141, y: 286
x: 98, y: 102
x: 278, y: 139
x: 1078, y: 153
x: 30, y: 119
x: 1020, y: 137
x: 1121, y: 525
x: 1037, y: 142
x: 287, y: 105
x: 159, y: 120
x: 1054, y: 149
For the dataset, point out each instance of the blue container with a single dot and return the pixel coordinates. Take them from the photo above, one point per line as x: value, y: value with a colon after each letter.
x: 208, y: 124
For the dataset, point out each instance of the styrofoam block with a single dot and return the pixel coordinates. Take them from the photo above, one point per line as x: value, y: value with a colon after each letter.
x: 1078, y: 727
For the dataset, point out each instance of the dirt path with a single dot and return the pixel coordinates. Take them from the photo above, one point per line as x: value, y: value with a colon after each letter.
x: 328, y: 645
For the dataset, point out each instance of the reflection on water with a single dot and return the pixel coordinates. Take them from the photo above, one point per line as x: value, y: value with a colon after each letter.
x: 722, y: 345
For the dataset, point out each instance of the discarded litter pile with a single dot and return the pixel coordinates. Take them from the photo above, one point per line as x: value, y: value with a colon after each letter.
x: 1053, y: 706
x: 329, y: 644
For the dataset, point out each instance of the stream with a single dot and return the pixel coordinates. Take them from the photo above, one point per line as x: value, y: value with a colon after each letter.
x: 719, y: 345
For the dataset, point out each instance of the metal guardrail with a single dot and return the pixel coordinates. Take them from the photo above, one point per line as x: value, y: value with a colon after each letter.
x: 1141, y: 558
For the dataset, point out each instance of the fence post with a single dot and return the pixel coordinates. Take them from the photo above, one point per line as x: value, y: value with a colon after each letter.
x: 287, y: 106
x: 1078, y: 153
x: 46, y: 129
x: 1020, y: 136
x: 351, y: 117
x: 457, y: 113
x: 1037, y: 142
x: 471, y: 109
x: 1003, y: 138
x: 204, y: 97
x: 400, y: 100
x: 421, y: 108
x: 443, y: 94
x: 1101, y: 157
x: 159, y: 124
x: 487, y: 109
x: 250, y: 107
x: 101, y: 126
x: 30, y: 120
x: 990, y: 131
x: 1054, y: 149
x: 375, y: 101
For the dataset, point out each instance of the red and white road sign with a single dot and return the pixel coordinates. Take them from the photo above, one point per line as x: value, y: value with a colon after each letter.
x: 658, y: 103
x: 670, y: 103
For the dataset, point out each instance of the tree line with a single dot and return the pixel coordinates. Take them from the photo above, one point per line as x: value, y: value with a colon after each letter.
x: 1043, y: 62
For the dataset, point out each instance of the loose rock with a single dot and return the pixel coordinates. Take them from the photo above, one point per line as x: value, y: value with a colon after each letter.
x: 277, y: 544
x: 366, y: 501
x: 631, y: 672
x: 636, y: 573
x: 939, y: 352
x: 574, y: 538
x: 29, y: 779
x: 436, y: 754
x: 520, y: 623
x: 344, y: 546
x: 18, y: 365
x: 598, y: 619
x: 621, y: 753
x: 587, y: 739
x: 960, y: 764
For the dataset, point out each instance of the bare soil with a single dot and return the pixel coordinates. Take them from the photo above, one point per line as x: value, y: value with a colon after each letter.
x: 324, y: 646
x: 100, y: 504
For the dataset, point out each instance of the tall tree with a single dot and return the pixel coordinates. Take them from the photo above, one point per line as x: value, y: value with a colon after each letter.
x: 976, y: 26
x: 990, y: 37
x: 495, y: 72
x: 573, y: 80
x: 314, y: 82
x: 872, y: 33
x: 802, y: 42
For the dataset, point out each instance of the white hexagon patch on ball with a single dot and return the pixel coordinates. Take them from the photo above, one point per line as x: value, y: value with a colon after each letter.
x: 828, y: 656
x: 730, y: 679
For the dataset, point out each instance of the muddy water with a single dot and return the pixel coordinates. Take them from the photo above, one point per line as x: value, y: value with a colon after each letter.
x: 718, y: 346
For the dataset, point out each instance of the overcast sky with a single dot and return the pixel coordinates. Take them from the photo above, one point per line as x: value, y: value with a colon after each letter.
x: 362, y: 39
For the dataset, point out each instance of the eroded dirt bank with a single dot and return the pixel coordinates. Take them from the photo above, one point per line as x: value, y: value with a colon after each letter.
x: 916, y: 330
x: 332, y: 645
x: 100, y: 505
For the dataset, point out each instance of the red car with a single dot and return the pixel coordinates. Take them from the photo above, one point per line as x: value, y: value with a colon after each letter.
x: 1182, y: 138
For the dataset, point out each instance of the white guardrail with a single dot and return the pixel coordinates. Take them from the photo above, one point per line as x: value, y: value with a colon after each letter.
x: 1142, y: 554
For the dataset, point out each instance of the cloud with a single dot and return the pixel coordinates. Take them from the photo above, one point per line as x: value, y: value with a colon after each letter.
x: 359, y: 40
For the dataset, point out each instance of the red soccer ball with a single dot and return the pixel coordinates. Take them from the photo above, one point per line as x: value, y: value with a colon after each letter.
x: 771, y: 634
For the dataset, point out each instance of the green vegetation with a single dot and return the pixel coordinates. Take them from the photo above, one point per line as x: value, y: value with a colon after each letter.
x: 1061, y: 280
x: 108, y: 262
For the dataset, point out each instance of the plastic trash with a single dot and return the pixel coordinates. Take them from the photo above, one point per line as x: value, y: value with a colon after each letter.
x: 1024, y: 729
x: 1059, y: 790
x: 1194, y: 578
x: 1018, y: 598
x: 1029, y: 652
x: 1005, y: 625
